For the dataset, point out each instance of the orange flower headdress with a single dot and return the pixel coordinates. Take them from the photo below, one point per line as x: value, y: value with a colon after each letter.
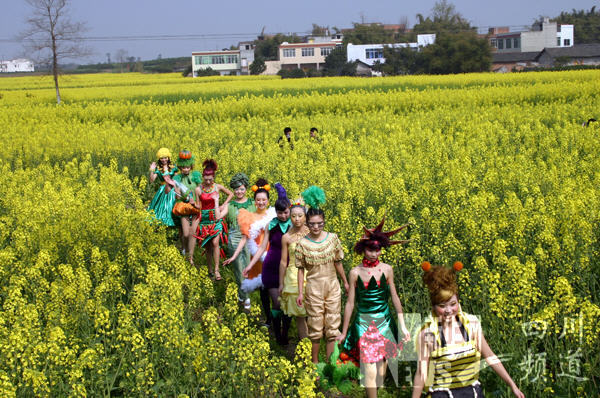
x: 441, y: 281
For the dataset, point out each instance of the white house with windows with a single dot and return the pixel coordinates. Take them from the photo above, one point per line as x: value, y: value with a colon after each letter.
x: 305, y: 55
x: 371, y: 53
x: 545, y: 35
x: 16, y: 65
x: 225, y: 62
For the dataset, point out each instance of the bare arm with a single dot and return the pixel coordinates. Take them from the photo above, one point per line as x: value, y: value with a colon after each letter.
x: 300, y: 287
x: 238, y: 249
x: 197, y: 203
x: 397, y: 303
x: 153, y: 175
x: 349, y: 305
x: 340, y: 270
x: 284, y: 261
x: 217, y: 209
x: 496, y: 364
x: 422, y: 365
x: 227, y: 192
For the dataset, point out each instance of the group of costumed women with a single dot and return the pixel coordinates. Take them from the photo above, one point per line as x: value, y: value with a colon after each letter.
x: 286, y: 253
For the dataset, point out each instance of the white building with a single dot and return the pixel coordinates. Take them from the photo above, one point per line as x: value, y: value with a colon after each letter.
x: 225, y: 62
x: 16, y: 65
x: 546, y: 35
x: 371, y: 53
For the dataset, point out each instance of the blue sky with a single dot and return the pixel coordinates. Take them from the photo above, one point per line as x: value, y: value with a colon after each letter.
x: 243, y: 20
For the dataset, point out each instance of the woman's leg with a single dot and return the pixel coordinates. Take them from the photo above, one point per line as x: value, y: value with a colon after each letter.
x: 315, y: 350
x: 302, y: 328
x: 191, y: 239
x: 265, y: 301
x: 370, y: 380
x: 216, y: 250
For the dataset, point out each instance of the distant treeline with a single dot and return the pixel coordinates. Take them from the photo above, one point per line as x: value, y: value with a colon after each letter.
x: 163, y: 65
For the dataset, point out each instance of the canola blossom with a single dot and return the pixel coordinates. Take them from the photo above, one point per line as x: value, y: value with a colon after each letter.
x: 495, y: 171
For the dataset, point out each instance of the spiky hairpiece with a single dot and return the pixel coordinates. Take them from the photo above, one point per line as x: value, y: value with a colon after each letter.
x: 314, y: 196
x: 210, y: 167
x: 377, y: 238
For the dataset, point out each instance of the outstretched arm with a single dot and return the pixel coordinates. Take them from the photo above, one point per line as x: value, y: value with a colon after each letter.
x: 238, y: 249
x: 227, y: 192
x: 397, y: 303
x: 340, y: 270
x: 496, y: 364
x: 284, y: 261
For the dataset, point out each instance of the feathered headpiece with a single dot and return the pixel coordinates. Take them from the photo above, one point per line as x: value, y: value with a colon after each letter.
x: 441, y: 281
x: 314, y: 196
x: 377, y: 238
x: 238, y: 180
x: 210, y: 167
x: 282, y: 201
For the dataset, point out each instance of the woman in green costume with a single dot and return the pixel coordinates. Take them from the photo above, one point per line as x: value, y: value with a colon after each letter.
x: 187, y: 181
x: 239, y: 183
x: 372, y: 337
x: 164, y: 199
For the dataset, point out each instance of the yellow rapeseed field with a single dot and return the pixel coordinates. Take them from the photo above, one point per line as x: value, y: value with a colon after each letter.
x: 493, y: 170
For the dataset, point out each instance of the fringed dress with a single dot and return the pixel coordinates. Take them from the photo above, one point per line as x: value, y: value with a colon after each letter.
x: 163, y: 201
x: 323, y: 297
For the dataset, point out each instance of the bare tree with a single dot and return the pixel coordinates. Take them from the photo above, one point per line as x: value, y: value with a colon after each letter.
x: 120, y: 57
x: 53, y: 36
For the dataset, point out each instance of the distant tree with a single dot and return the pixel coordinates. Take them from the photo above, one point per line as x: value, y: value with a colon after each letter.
x: 291, y: 73
x: 443, y: 19
x: 586, y: 24
x: 121, y: 57
x: 368, y: 34
x: 139, y: 65
x: 187, y: 71
x: 457, y: 53
x: 53, y: 36
x: 207, y: 72
x: 336, y: 63
x: 401, y: 61
x: 268, y: 48
x: 319, y: 30
x: 258, y: 66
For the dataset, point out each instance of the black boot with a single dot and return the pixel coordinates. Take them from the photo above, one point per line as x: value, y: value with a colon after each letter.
x: 286, y: 321
x: 276, y: 319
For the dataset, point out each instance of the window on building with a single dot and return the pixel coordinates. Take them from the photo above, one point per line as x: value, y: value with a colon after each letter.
x: 197, y: 60
x: 308, y: 52
x: 558, y: 41
x: 325, y: 51
x: 567, y: 42
x: 493, y: 43
x: 500, y: 44
x: 508, y: 43
x: 374, y: 53
x: 231, y: 59
x: 517, y: 42
x: 289, y: 52
x: 218, y: 59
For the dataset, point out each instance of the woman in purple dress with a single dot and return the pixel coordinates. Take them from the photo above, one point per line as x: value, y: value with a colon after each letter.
x: 270, y: 269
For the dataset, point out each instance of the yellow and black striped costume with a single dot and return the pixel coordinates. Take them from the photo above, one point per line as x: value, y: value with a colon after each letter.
x: 453, y: 369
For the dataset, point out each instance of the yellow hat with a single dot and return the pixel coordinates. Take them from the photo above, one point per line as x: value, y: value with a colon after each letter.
x: 163, y: 153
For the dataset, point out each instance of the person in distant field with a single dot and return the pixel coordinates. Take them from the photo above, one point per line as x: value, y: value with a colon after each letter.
x: 287, y: 136
x: 313, y: 134
x: 587, y: 124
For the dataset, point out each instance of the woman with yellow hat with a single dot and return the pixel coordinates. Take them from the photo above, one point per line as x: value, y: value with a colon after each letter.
x: 164, y: 199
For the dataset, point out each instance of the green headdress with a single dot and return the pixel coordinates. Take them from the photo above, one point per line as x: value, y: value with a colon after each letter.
x: 238, y: 180
x: 314, y: 196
